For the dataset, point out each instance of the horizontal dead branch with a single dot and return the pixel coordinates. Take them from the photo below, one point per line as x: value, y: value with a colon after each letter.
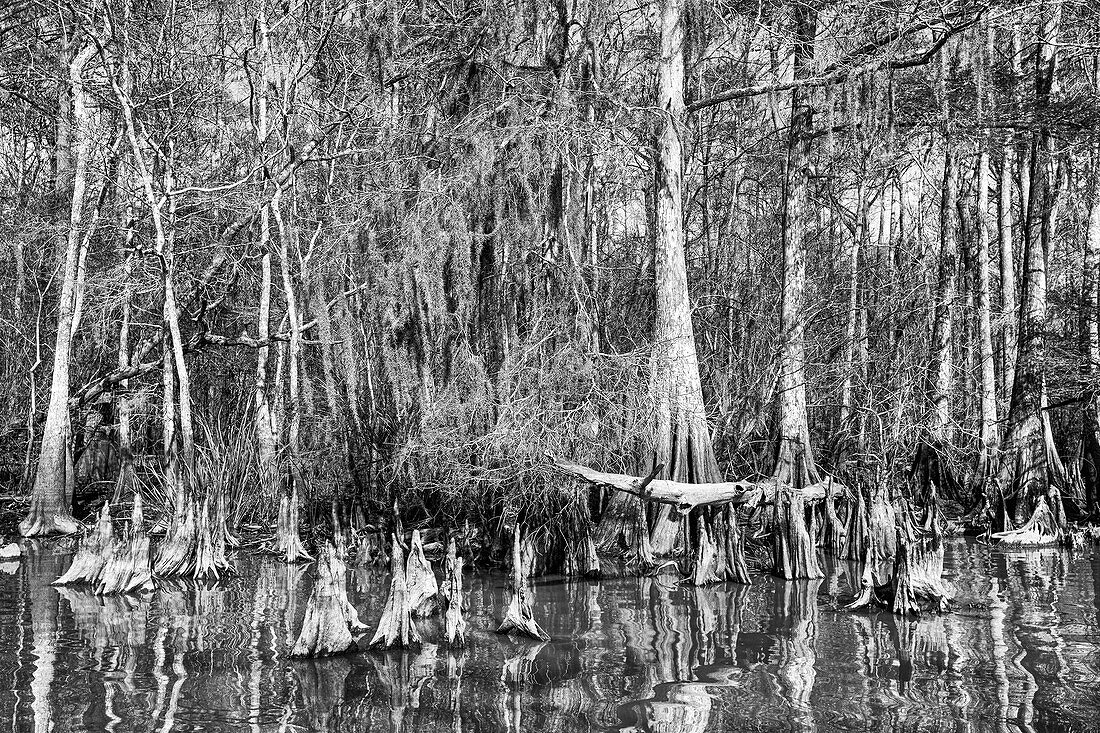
x: 685, y: 496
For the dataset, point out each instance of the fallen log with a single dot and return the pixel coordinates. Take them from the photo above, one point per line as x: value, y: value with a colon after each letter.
x: 685, y: 496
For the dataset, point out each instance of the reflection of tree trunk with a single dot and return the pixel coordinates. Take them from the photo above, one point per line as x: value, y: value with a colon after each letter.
x: 41, y: 569
x: 999, y: 651
x: 683, y: 441
x: 796, y: 615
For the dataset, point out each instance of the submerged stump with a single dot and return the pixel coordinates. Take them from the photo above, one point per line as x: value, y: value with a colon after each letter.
x: 422, y: 586
x: 128, y: 570
x: 916, y: 584
x: 793, y: 550
x: 719, y: 549
x: 89, y: 559
x: 288, y: 543
x: 331, y: 625
x: 519, y: 619
x: 454, y: 607
x: 1044, y: 527
x: 395, y: 628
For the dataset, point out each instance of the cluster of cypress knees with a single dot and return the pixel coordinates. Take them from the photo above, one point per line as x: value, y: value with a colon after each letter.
x: 332, y: 625
x: 895, y: 542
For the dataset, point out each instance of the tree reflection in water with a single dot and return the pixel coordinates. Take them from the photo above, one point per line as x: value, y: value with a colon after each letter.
x: 626, y: 653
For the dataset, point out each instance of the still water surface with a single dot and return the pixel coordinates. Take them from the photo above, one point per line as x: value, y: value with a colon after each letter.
x: 1021, y: 651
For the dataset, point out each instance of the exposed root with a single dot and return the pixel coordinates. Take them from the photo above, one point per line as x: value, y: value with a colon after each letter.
x: 331, y: 625
x: 519, y: 619
x: 395, y: 628
x: 88, y: 561
x: 454, y: 620
x: 422, y: 585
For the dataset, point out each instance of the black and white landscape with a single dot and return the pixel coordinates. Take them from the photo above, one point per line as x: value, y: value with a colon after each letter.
x: 555, y: 365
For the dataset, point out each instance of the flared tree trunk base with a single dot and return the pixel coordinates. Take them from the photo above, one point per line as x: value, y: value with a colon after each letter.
x: 623, y: 533
x: 88, y: 561
x: 422, y: 586
x: 794, y: 551
x: 719, y: 549
x: 519, y: 619
x: 395, y: 627
x: 44, y: 520
x: 288, y: 543
x: 128, y: 570
x: 454, y: 606
x: 331, y: 625
x: 580, y: 557
x: 1042, y: 529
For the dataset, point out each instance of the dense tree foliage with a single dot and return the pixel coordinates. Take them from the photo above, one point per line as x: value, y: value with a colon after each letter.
x: 395, y: 252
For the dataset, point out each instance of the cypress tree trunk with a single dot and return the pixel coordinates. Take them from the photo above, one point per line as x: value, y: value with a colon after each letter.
x: 262, y: 417
x: 794, y: 433
x: 1008, y: 271
x: 1090, y: 334
x: 683, y: 441
x: 50, y: 497
x: 988, y: 429
x: 1030, y: 465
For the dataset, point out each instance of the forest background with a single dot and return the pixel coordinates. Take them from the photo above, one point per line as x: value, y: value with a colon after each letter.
x: 395, y: 252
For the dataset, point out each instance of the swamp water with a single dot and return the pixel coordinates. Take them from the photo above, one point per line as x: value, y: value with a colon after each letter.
x: 1020, y: 651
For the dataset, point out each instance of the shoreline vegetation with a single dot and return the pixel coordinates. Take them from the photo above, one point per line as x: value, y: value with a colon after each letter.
x: 547, y: 287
